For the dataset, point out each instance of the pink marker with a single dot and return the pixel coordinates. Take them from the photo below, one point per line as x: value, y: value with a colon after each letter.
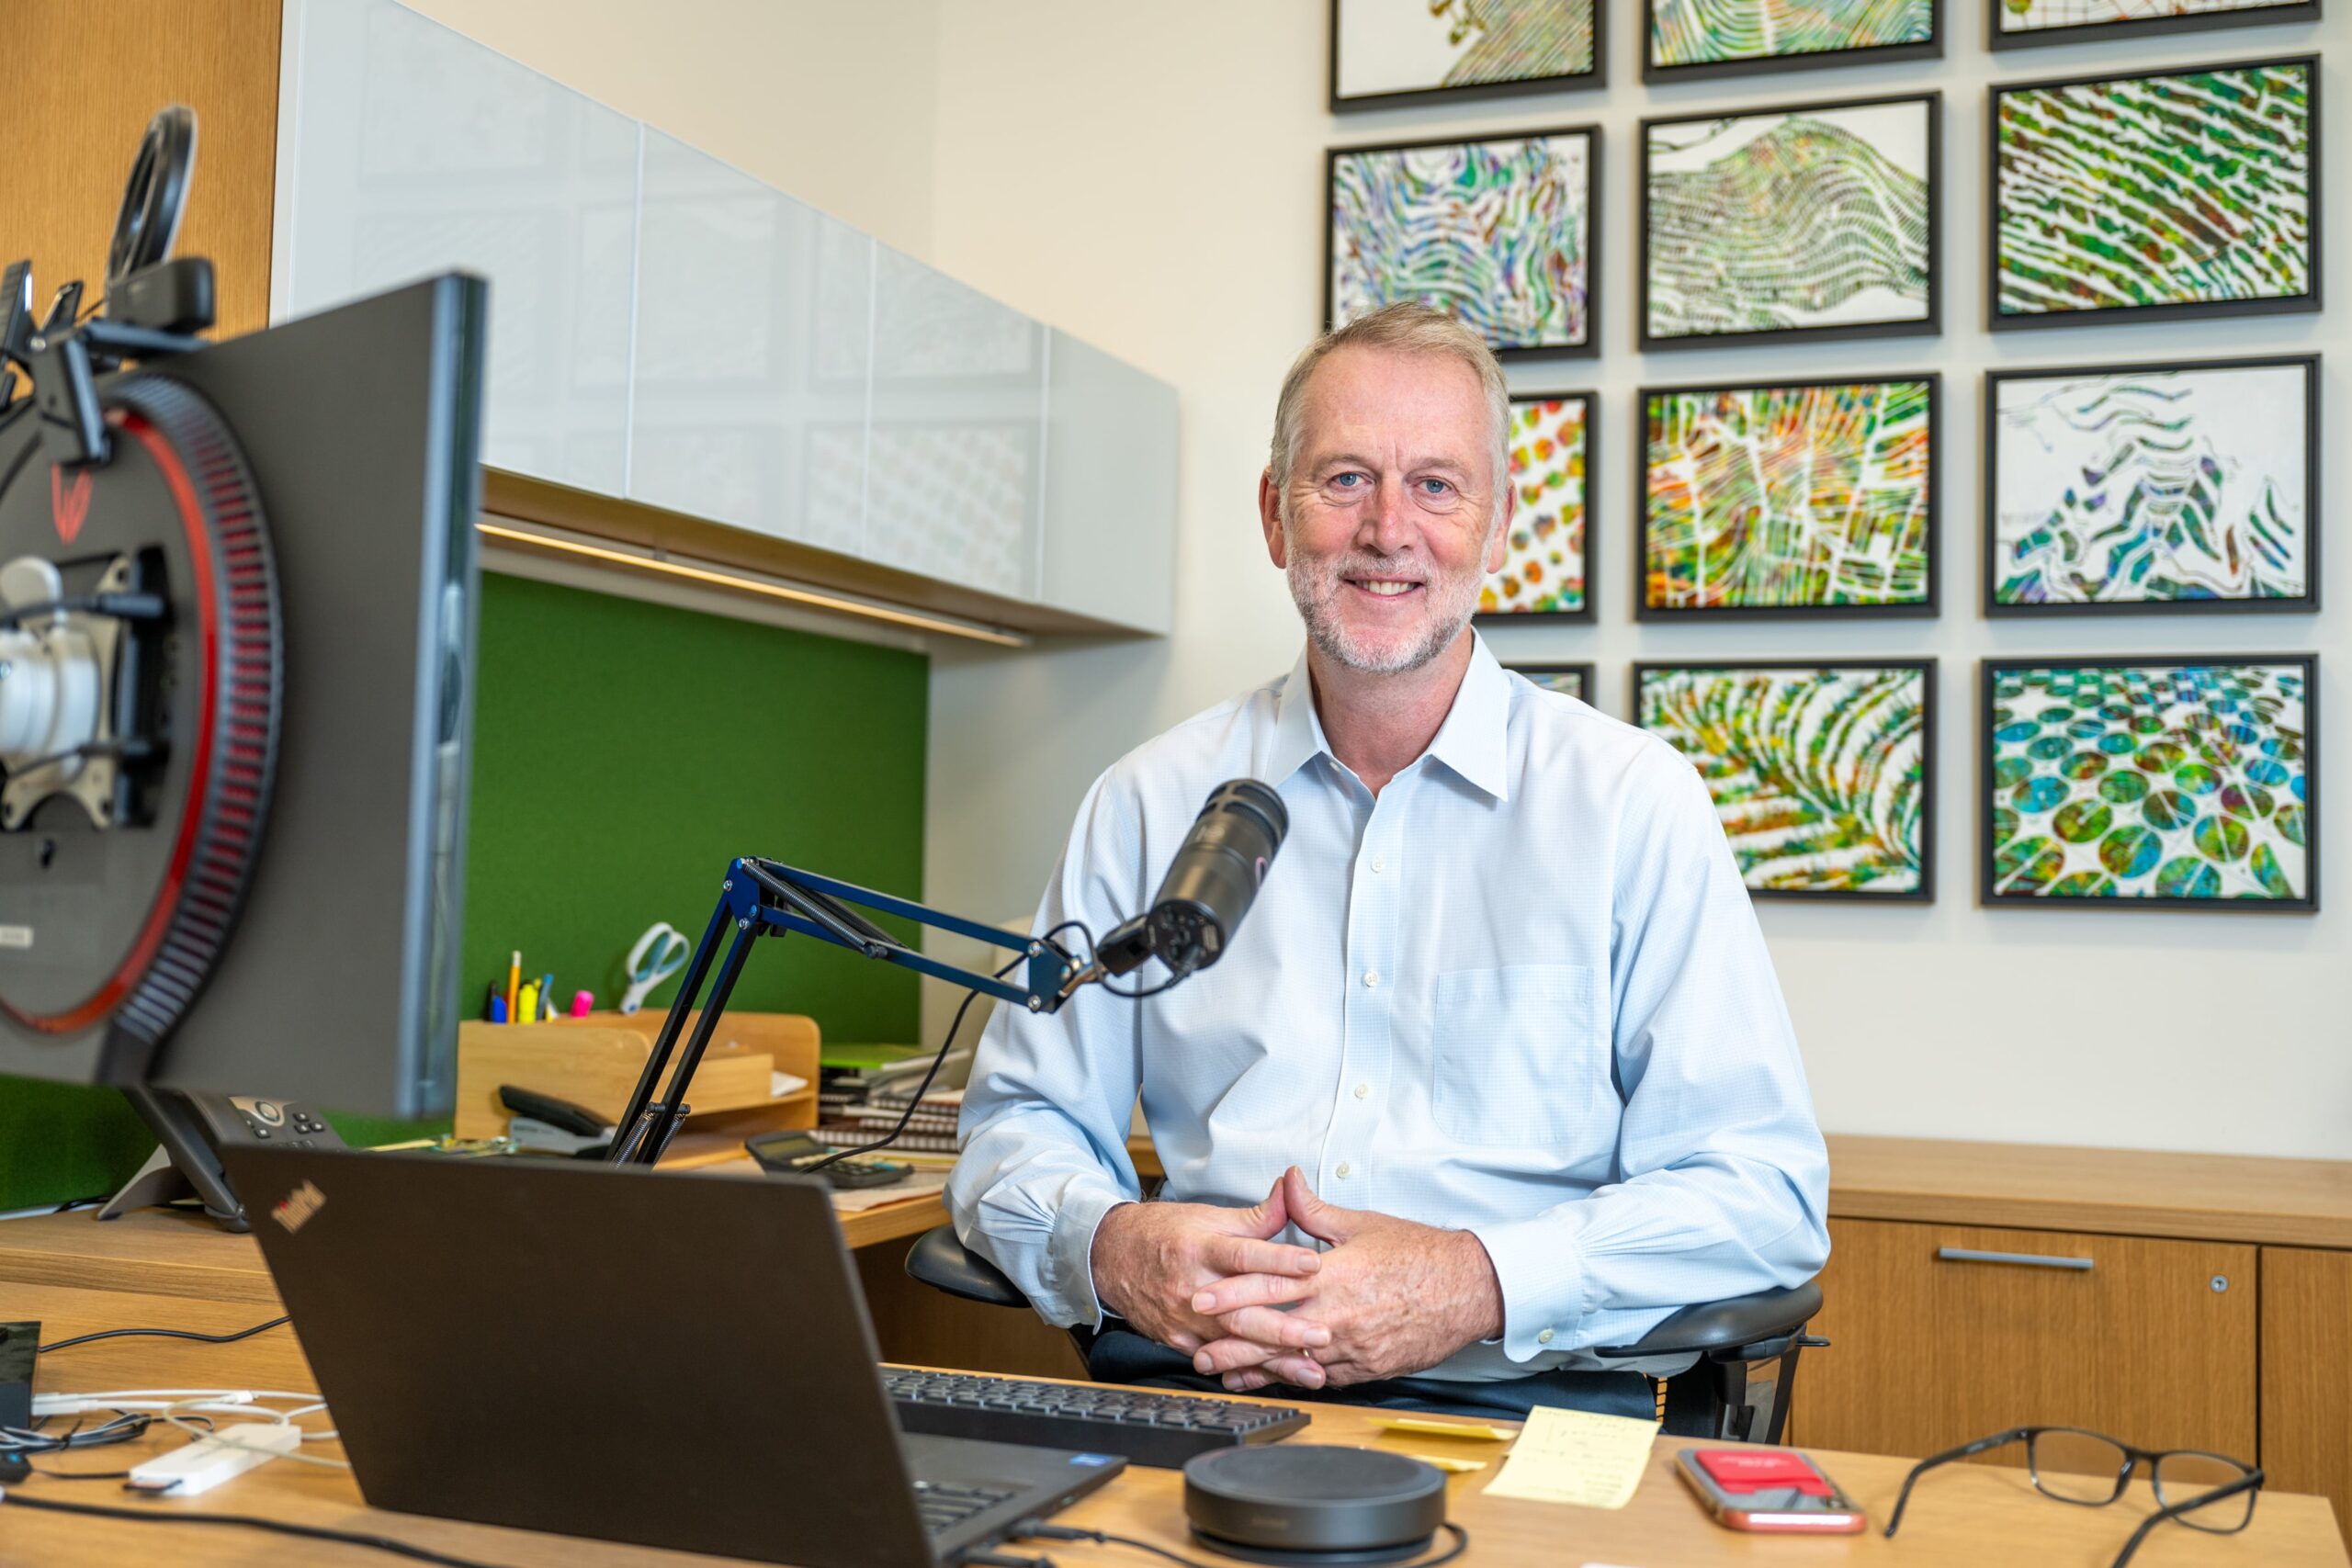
x: 582, y: 1003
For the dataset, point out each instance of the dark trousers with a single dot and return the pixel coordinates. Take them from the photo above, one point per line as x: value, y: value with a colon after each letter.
x: 1121, y: 1355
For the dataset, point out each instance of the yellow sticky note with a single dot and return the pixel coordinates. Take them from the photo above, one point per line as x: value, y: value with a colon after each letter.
x: 1575, y: 1456
x: 1450, y: 1465
x: 1429, y: 1427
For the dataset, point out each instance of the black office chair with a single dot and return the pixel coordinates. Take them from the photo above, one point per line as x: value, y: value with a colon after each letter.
x: 1737, y: 1390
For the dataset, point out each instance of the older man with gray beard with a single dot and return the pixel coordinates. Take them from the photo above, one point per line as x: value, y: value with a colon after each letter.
x: 1499, y: 1070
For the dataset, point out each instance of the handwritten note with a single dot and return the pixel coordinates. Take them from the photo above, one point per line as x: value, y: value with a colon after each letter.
x: 1575, y: 1456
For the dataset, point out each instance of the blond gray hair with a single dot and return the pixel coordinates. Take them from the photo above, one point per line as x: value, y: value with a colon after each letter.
x: 1406, y: 327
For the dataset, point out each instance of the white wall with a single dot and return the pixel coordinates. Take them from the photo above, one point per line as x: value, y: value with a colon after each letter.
x: 828, y: 100
x: 1156, y: 188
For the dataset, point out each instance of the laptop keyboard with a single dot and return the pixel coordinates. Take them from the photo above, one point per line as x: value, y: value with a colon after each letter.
x: 944, y: 1507
x: 1146, y: 1426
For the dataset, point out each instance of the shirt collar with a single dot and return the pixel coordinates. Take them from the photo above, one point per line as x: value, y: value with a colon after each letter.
x: 1473, y: 741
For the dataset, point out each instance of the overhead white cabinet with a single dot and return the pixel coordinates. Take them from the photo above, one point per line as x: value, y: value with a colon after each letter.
x: 666, y: 329
x: 752, y: 351
x: 406, y: 149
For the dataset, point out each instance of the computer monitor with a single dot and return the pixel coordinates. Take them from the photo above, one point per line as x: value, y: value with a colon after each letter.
x: 332, y: 969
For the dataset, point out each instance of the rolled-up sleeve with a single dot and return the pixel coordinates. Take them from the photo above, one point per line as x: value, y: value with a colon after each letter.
x: 1723, y: 1181
x: 1043, y: 1138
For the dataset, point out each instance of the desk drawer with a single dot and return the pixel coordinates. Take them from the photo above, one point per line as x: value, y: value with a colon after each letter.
x: 1944, y: 1333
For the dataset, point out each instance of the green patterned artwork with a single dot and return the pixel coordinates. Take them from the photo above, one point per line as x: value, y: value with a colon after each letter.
x: 1819, y: 772
x: 2175, y: 783
x: 2192, y: 189
x: 1817, y: 218
x: 1813, y: 497
x: 1685, y: 33
x: 1383, y: 50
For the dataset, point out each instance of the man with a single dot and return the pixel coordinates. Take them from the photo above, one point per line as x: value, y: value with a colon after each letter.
x: 1500, y: 1037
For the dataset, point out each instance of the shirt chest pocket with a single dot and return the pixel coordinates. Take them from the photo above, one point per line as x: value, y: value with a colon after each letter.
x: 1517, y: 1056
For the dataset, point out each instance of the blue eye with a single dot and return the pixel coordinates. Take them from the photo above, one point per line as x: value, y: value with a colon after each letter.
x: 1345, y: 481
x: 1435, y: 487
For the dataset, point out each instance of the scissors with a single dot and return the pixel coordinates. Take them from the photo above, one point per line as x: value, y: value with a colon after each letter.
x: 659, y: 954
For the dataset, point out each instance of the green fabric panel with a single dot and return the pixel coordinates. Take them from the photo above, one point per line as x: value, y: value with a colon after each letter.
x: 624, y: 753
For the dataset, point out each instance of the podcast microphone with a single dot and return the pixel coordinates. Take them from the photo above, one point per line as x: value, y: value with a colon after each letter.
x: 1209, y: 888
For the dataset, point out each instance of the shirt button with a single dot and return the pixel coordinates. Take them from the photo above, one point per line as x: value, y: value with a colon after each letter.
x: 1363, y: 1089
x: 1378, y: 864
x: 1372, y: 976
x: 1543, y: 1338
x: 1344, y: 1168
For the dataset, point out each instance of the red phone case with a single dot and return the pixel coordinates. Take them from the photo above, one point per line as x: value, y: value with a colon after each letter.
x: 1768, y: 1489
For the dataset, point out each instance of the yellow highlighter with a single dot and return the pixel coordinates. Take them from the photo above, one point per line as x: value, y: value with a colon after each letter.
x: 528, y: 1011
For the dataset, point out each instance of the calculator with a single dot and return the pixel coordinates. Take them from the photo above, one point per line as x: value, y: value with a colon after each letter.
x: 791, y: 1154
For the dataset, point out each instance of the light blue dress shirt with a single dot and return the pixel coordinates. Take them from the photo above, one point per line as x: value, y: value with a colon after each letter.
x: 1521, y: 992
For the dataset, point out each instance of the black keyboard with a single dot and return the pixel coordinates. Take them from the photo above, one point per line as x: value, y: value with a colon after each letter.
x: 1146, y: 1426
x: 944, y: 1507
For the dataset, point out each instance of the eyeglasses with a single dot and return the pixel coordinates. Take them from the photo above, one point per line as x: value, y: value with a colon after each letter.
x: 2207, y: 1492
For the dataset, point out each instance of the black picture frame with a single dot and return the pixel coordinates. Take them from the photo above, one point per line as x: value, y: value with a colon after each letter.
x: 1928, y: 325
x: 1507, y: 354
x: 1929, y: 48
x: 1989, y: 563
x: 2175, y: 310
x: 1583, y: 616
x: 2140, y: 27
x: 1585, y: 672
x: 1987, y: 848
x: 1473, y: 92
x: 1925, y: 669
x: 1928, y: 608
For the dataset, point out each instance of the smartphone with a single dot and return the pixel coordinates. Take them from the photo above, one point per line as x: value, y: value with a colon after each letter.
x: 1768, y: 1489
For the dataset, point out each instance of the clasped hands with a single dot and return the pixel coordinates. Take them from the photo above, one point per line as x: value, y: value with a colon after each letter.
x: 1391, y: 1298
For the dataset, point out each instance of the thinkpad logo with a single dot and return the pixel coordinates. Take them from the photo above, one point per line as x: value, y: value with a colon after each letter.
x: 294, y: 1211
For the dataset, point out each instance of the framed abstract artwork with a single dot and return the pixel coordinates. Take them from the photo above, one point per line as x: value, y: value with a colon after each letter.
x: 1788, y: 500
x: 2018, y: 23
x: 1571, y: 679
x: 1501, y: 233
x: 1390, y: 52
x: 1547, y: 570
x: 2155, y: 782
x: 2153, y: 489
x: 1691, y: 39
x: 2156, y: 197
x: 1817, y: 221
x: 1821, y: 770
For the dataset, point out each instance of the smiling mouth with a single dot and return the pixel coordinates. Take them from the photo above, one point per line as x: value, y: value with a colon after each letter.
x: 1386, y: 587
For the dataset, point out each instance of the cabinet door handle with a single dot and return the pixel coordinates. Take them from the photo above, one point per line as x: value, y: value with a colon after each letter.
x: 2023, y: 1260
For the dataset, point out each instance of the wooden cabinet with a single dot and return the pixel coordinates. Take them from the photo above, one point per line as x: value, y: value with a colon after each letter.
x: 2307, y: 1373
x: 2190, y: 1300
x: 1933, y: 1342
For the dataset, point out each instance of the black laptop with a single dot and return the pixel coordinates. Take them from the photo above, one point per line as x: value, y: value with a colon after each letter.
x: 665, y: 1359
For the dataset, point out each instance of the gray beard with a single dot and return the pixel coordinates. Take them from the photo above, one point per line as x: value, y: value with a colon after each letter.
x: 1452, y: 605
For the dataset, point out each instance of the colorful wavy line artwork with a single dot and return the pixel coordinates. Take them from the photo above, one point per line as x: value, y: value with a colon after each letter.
x: 2140, y: 781
x: 1568, y: 680
x: 1819, y: 773
x: 1775, y: 222
x: 1414, y: 46
x: 1707, y: 32
x: 2152, y: 485
x: 2042, y: 16
x: 1806, y: 497
x: 1544, y: 570
x: 2192, y: 188
x: 1499, y: 233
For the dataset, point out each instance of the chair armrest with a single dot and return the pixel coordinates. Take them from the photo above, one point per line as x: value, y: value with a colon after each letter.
x: 1723, y: 1330
x: 943, y: 1263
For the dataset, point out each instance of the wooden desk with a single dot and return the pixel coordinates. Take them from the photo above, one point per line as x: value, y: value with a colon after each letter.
x: 1961, y: 1518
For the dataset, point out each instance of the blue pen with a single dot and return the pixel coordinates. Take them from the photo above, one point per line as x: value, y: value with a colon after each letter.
x: 546, y: 996
x: 498, y: 1009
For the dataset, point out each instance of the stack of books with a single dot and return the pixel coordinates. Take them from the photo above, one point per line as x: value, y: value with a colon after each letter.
x: 855, y: 1107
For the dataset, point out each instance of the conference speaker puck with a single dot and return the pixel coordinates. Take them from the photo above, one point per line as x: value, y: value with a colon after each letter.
x: 1310, y: 1504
